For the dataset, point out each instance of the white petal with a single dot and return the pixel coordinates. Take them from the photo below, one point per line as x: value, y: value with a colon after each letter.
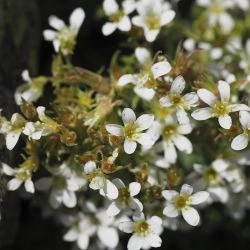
x: 151, y: 35
x: 12, y: 139
x: 220, y: 165
x: 144, y: 121
x: 83, y: 241
x: 239, y: 107
x: 156, y: 224
x: 136, y: 205
x: 185, y: 129
x: 169, y: 195
x: 114, y: 129
x: 118, y: 183
x: 160, y: 69
x: 135, y: 243
x: 240, y: 142
x: 153, y: 240
x: 226, y: 22
x: 56, y: 45
x: 69, y: 199
x: 143, y: 56
x: 14, y: 184
x: 224, y: 90
x: 183, y: 144
x: 134, y: 188
x: 108, y: 28
x: 202, y: 114
x: 165, y: 102
x: 186, y: 189
x: 110, y: 190
x: 124, y: 24
x: 138, y: 21
x: 191, y: 216
x: 128, y: 116
x: 56, y: 23
x: 182, y: 117
x: 169, y: 152
x: 110, y: 7
x: 170, y: 211
x: 199, y: 197
x: 225, y: 121
x: 178, y: 85
x: 207, y: 96
x: 77, y: 17
x: 25, y: 73
x: 113, y: 209
x: 89, y: 167
x: 29, y: 186
x: 71, y: 235
x: 129, y: 146
x: 126, y: 226
x: 7, y: 169
x: 245, y: 119
x: 145, y: 93
x: 126, y: 79
x: 49, y: 35
x: 108, y: 236
x: 191, y: 98
x: 167, y: 17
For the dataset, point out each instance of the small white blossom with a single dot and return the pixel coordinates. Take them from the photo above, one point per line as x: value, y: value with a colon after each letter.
x: 176, y: 100
x: 118, y: 17
x: 125, y: 199
x: 182, y: 203
x: 64, y: 37
x: 241, y: 141
x: 20, y: 176
x: 145, y: 232
x: 132, y: 130
x: 98, y: 181
x: 219, y: 108
x: 153, y: 14
x: 146, y: 81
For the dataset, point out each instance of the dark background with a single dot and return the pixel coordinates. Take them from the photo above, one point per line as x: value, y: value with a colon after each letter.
x: 21, y: 47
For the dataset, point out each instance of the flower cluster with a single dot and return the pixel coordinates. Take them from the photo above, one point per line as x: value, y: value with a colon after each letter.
x: 132, y: 151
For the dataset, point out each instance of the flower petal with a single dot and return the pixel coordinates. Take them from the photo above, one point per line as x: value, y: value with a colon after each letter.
x: 125, y: 79
x: 202, y: 114
x: 240, y: 142
x: 110, y: 190
x: 128, y: 116
x: 7, y: 169
x: 178, y: 85
x: 143, y: 56
x: 134, y: 188
x: 245, y: 119
x: 170, y: 211
x: 56, y: 23
x: 169, y: 152
x: 113, y: 209
x: 12, y: 139
x: 167, y: 17
x: 186, y: 189
x: 199, y: 197
x: 71, y: 235
x: 144, y: 122
x: 126, y: 226
x: 239, y: 107
x: 153, y: 240
x: 145, y: 93
x: 160, y: 69
x: 169, y: 195
x: 114, y: 129
x: 207, y: 96
x: 129, y: 146
x: 191, y: 98
x: 49, y: 35
x: 124, y: 24
x: 77, y: 17
x: 29, y: 186
x: 108, y: 236
x: 191, y: 216
x: 110, y: 7
x: 183, y: 144
x: 165, y: 102
x: 69, y: 199
x: 83, y: 241
x: 135, y: 243
x: 224, y: 90
x: 108, y: 28
x: 14, y: 184
x: 225, y: 121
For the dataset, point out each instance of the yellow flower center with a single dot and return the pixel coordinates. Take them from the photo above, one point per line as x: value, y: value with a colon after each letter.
x: 130, y: 131
x: 23, y: 175
x: 181, y: 201
x: 117, y: 17
x: 142, y: 228
x: 216, y: 8
x: 211, y: 176
x: 67, y: 38
x: 220, y: 109
x: 177, y: 100
x: 124, y: 195
x: 153, y: 22
x: 169, y: 130
x: 151, y: 82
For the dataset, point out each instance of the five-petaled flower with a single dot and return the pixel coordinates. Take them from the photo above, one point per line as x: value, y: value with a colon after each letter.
x: 132, y: 130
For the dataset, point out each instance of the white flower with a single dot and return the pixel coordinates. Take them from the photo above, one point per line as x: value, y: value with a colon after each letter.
x: 13, y: 130
x: 146, y: 81
x: 217, y: 14
x: 33, y: 130
x: 132, y: 130
x: 21, y: 176
x: 98, y: 181
x: 64, y: 37
x: 173, y: 136
x: 153, y: 14
x: 145, y: 232
x: 241, y: 141
x: 31, y: 91
x: 182, y: 203
x: 125, y: 199
x: 218, y: 108
x: 176, y: 100
x: 118, y: 17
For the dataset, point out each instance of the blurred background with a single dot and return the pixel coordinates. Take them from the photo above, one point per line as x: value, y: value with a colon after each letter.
x: 22, y: 47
